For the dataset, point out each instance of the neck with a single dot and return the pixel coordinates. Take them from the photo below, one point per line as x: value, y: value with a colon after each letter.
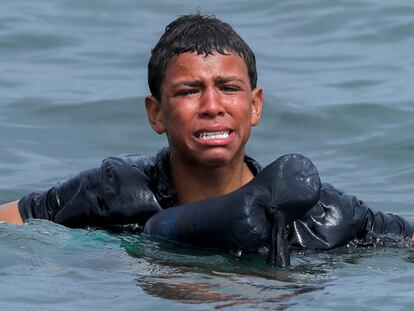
x: 194, y: 183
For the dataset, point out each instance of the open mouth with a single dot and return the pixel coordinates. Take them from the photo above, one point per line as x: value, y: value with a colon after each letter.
x: 212, y: 135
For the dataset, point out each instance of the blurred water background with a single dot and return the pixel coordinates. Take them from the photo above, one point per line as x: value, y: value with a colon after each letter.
x: 338, y: 83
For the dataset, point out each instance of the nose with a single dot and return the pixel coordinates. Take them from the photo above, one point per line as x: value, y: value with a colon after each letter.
x: 211, y: 104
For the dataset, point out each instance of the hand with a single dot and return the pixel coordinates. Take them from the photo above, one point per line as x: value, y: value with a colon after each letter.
x: 9, y: 212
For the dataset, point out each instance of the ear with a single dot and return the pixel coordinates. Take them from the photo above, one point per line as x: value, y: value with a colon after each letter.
x: 155, y: 114
x: 257, y: 103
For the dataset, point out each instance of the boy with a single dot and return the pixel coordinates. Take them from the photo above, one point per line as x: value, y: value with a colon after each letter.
x: 205, y: 98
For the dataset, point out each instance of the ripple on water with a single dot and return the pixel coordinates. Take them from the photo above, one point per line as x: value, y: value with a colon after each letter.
x: 336, y: 76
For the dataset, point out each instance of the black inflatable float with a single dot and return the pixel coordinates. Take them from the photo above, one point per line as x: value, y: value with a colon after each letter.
x: 249, y: 218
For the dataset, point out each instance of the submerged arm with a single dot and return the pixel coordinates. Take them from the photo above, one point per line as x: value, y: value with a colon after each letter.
x: 339, y: 218
x: 116, y: 193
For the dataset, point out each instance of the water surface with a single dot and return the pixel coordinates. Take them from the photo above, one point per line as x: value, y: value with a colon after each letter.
x: 337, y: 78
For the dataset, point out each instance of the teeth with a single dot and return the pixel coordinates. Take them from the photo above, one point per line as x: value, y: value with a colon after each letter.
x: 213, y: 135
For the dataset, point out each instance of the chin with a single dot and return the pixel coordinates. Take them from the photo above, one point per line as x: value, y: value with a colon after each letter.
x: 212, y: 157
x: 215, y: 160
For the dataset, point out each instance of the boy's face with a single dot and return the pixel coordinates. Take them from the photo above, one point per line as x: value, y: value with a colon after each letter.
x: 207, y: 108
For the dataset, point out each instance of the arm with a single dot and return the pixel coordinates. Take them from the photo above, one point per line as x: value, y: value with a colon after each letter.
x: 339, y: 218
x: 116, y: 193
x: 9, y: 212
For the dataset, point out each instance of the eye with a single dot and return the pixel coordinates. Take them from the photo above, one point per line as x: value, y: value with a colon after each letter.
x: 186, y: 92
x: 230, y: 88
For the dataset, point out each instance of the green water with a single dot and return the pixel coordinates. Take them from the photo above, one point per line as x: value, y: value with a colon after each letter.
x: 338, y: 88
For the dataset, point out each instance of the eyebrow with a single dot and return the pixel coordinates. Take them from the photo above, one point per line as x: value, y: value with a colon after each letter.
x: 187, y: 83
x: 224, y: 79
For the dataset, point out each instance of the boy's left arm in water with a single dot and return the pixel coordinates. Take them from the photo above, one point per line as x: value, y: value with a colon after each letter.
x: 339, y: 218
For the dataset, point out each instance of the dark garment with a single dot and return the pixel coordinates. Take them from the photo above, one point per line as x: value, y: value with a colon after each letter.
x: 339, y: 218
x: 129, y: 190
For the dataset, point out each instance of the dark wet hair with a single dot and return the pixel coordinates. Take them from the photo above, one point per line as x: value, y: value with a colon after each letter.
x: 201, y: 34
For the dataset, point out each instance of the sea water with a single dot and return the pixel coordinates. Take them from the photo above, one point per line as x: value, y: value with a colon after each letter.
x: 338, y: 80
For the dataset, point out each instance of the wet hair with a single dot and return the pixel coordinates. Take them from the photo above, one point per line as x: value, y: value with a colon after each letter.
x: 198, y: 33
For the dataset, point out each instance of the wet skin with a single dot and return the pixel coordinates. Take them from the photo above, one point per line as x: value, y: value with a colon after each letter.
x: 207, y: 110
